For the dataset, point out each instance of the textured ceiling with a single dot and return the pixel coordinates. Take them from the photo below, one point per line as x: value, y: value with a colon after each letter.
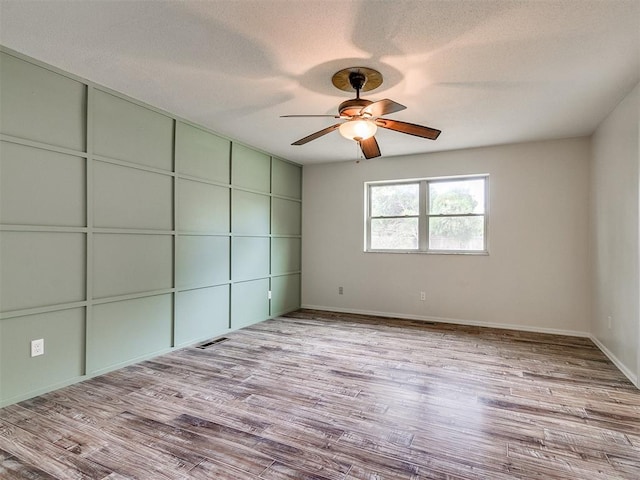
x: 483, y: 72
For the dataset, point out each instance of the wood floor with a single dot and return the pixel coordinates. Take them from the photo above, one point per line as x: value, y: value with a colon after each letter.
x: 327, y: 396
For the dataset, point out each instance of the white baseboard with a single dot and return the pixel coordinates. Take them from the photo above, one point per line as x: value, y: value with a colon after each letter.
x: 621, y: 366
x: 457, y: 321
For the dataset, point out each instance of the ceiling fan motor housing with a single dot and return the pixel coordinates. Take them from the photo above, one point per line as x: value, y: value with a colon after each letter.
x: 352, y: 107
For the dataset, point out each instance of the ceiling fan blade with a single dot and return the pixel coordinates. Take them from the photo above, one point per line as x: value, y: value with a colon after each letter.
x: 382, y: 107
x: 370, y: 148
x: 318, y: 134
x: 294, y: 116
x: 410, y: 128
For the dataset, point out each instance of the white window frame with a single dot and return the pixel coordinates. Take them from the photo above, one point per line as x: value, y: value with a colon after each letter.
x: 424, y: 215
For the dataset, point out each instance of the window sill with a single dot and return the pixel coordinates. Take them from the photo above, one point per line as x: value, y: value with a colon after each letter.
x: 432, y: 252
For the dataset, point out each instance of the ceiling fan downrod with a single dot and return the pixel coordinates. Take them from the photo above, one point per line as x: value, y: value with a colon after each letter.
x: 357, y: 81
x: 353, y: 106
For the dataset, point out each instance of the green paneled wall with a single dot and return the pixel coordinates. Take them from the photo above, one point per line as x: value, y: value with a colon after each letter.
x: 250, y: 258
x: 287, y: 180
x: 126, y: 232
x: 119, y: 202
x: 202, y: 207
x: 64, y: 331
x: 30, y: 184
x: 131, y: 263
x: 248, y: 303
x: 129, y: 329
x: 251, y: 215
x: 41, y: 268
x: 285, y: 294
x: 285, y: 255
x: 201, y: 313
x: 251, y: 169
x: 41, y: 105
x: 124, y: 131
x: 202, y: 261
x: 202, y: 155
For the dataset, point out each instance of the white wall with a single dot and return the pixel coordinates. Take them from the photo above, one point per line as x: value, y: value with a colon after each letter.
x: 614, y: 235
x: 536, y: 276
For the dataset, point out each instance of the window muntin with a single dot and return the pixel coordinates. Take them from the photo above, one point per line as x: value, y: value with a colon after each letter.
x: 438, y: 215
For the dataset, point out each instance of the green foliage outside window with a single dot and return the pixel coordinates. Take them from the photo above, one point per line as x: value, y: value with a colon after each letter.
x: 454, y: 202
x: 454, y: 219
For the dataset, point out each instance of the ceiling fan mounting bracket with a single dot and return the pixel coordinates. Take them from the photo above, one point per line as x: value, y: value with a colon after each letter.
x: 349, y: 79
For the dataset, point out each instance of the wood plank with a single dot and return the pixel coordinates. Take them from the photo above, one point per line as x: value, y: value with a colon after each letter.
x: 56, y: 461
x: 209, y: 469
x: 330, y: 396
x: 12, y: 468
x: 278, y: 471
x: 216, y: 448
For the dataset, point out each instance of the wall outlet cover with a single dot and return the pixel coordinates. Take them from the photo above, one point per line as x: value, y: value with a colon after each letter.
x: 37, y: 347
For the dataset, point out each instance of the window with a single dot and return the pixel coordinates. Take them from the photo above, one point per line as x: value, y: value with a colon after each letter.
x: 443, y: 215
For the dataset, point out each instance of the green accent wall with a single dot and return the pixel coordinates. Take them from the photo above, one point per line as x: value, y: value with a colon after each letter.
x: 126, y: 232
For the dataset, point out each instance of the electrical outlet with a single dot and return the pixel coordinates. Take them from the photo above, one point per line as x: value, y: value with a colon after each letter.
x: 269, y: 294
x: 340, y: 291
x: 37, y: 347
x: 423, y: 296
x: 609, y: 321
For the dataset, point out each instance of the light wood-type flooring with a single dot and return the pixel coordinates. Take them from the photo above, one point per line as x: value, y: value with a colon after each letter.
x: 320, y: 396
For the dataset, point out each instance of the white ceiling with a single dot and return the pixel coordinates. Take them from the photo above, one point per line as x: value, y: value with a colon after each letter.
x: 483, y: 72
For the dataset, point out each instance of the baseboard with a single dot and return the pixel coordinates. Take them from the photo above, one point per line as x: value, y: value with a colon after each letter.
x: 41, y: 391
x: 456, y: 321
x: 621, y: 366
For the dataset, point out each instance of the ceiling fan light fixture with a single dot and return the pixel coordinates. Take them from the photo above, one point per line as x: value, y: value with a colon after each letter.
x: 363, y: 117
x: 358, y: 129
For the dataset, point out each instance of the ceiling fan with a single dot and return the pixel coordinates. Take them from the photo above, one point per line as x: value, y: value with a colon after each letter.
x: 363, y: 117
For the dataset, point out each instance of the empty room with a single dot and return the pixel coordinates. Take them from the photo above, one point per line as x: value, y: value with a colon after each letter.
x: 320, y: 239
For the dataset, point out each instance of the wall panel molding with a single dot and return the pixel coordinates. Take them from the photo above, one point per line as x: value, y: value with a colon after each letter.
x: 151, y: 233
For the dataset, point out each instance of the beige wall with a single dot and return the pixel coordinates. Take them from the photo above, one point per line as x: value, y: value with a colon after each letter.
x: 614, y: 235
x: 536, y: 276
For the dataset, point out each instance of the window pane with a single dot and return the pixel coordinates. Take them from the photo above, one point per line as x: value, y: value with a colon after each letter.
x: 394, y: 200
x: 451, y: 197
x: 456, y: 233
x: 394, y: 233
